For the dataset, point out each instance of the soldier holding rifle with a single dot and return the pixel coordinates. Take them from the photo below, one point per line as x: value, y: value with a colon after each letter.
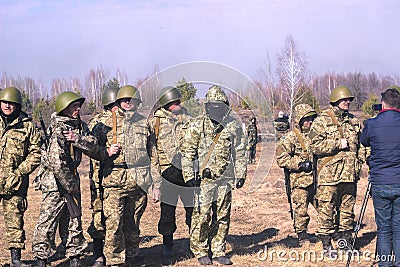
x: 294, y: 155
x: 59, y: 181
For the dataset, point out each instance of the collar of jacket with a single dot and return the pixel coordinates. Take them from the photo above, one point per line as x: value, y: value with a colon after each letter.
x: 389, y: 109
x: 74, y: 123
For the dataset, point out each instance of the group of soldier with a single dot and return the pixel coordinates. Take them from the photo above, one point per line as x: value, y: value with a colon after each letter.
x: 198, y: 159
x: 323, y: 156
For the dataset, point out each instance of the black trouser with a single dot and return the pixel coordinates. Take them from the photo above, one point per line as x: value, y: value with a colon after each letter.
x: 173, y: 187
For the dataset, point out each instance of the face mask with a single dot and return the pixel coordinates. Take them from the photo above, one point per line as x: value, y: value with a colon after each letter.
x: 216, y: 111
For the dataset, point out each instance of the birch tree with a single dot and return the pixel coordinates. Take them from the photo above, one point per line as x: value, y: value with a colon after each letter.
x: 291, y: 69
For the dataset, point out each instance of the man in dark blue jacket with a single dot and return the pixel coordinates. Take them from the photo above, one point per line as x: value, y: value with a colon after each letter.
x: 382, y: 135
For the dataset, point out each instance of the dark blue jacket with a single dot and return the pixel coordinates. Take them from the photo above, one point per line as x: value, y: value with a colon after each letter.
x: 382, y: 134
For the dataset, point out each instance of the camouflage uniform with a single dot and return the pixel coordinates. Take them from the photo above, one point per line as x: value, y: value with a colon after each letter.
x: 58, y: 175
x: 170, y: 134
x: 281, y: 126
x: 289, y: 154
x: 126, y: 178
x: 227, y: 161
x: 20, y: 155
x: 252, y: 140
x: 338, y: 169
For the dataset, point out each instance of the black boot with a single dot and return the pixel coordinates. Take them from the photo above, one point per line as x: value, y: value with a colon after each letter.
x: 41, y: 263
x: 302, y: 237
x: 327, y: 246
x: 98, y: 252
x: 167, y: 251
x: 16, y: 258
x: 74, y: 262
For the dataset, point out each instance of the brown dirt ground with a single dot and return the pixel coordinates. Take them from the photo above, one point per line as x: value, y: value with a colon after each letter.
x: 259, y: 220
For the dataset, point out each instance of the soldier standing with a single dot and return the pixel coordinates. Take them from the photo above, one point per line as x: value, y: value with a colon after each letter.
x: 281, y: 125
x: 167, y: 126
x: 294, y: 154
x: 58, y: 178
x: 335, y: 140
x: 252, y: 138
x: 126, y: 178
x: 101, y: 126
x: 219, y: 142
x: 20, y: 142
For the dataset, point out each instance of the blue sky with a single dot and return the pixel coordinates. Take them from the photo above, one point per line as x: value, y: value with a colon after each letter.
x: 64, y: 38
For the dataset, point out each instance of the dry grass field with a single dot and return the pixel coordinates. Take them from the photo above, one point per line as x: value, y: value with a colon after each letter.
x: 261, y: 232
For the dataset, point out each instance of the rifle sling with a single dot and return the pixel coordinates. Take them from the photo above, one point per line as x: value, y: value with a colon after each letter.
x: 114, y: 127
x: 300, y: 138
x: 157, y: 127
x: 210, y: 150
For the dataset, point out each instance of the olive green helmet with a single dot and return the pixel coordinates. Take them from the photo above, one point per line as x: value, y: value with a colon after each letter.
x: 109, y: 95
x: 67, y: 98
x: 169, y: 94
x: 11, y: 94
x: 128, y: 91
x: 215, y: 94
x: 340, y: 92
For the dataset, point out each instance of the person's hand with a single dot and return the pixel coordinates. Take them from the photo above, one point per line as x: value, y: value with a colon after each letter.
x: 305, y: 166
x: 193, y: 183
x: 156, y: 195
x: 240, y: 183
x: 113, y: 149
x: 70, y: 136
x: 343, y: 143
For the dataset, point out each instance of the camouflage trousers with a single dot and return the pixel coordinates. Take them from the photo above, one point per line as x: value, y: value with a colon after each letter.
x: 13, y: 210
x: 301, y: 198
x: 51, y: 211
x: 97, y: 228
x: 123, y: 211
x: 211, y: 219
x: 336, y: 207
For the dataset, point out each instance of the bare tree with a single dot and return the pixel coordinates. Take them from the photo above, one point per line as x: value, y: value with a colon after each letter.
x: 291, y: 68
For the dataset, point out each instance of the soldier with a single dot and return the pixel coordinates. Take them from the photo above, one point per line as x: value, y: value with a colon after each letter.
x: 294, y: 153
x: 58, y: 178
x: 101, y: 126
x: 126, y: 178
x: 167, y: 126
x: 335, y: 140
x: 20, y: 142
x: 219, y: 142
x: 281, y: 125
x: 252, y: 138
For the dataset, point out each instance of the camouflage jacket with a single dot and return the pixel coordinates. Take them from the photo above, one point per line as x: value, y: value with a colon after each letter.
x: 168, y: 136
x: 20, y: 151
x: 131, y: 167
x: 289, y: 153
x: 58, y: 171
x: 252, y: 134
x: 228, y: 156
x: 337, y: 165
x: 281, y: 125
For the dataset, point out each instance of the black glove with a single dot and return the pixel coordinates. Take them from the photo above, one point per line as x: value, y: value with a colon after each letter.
x: 193, y: 183
x: 240, y: 183
x: 305, y: 166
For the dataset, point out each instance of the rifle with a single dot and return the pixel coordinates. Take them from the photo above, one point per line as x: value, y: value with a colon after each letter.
x: 315, y: 178
x: 357, y: 227
x: 43, y: 126
x: 288, y: 190
x: 196, y: 170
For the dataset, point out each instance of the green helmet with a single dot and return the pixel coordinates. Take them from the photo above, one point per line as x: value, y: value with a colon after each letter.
x: 109, y: 95
x: 11, y: 94
x: 215, y: 94
x: 169, y: 94
x: 128, y: 91
x: 67, y: 98
x: 340, y: 92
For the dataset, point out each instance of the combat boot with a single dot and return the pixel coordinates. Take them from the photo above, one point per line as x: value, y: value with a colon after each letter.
x: 41, y: 263
x: 327, y: 246
x: 205, y: 260
x: 167, y: 251
x: 16, y: 258
x: 74, y: 262
x: 302, y: 237
x: 223, y: 260
x: 98, y: 252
